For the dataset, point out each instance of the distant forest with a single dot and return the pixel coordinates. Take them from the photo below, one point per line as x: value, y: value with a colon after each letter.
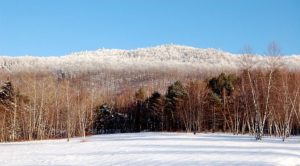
x: 252, y: 101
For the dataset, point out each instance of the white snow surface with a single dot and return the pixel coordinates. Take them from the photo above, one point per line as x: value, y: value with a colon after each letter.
x: 147, y: 148
x: 167, y: 56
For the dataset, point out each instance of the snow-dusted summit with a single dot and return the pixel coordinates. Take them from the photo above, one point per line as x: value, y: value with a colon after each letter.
x: 160, y: 57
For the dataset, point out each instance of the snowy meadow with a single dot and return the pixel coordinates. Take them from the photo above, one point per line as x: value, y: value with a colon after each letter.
x: 154, y: 148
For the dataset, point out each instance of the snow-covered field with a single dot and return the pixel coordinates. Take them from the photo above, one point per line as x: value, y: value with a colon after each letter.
x: 154, y: 149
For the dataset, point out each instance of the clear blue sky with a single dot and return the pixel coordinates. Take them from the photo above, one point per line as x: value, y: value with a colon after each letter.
x: 58, y: 27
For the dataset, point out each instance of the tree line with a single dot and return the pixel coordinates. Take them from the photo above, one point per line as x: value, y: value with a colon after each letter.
x: 253, y: 101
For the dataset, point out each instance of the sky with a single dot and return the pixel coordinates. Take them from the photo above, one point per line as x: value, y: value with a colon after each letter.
x: 60, y: 27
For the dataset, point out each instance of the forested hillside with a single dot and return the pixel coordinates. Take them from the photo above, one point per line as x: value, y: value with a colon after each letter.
x: 256, y: 100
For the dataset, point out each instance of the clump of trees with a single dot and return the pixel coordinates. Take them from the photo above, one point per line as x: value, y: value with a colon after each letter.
x: 42, y: 107
x: 226, y: 103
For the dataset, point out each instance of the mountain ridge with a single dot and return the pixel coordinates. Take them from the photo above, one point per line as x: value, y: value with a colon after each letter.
x: 167, y: 56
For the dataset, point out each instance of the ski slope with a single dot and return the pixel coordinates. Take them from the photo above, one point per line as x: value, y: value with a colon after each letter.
x: 154, y: 149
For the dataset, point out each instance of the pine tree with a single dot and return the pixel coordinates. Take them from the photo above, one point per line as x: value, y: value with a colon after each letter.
x: 140, y: 123
x: 222, y: 87
x: 6, y: 93
x: 175, y: 96
x: 155, y: 111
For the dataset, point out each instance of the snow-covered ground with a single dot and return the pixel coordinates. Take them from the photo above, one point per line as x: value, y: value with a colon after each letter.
x: 143, y: 149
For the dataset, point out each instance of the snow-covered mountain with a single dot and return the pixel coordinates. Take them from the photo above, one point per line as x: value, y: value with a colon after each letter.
x: 161, y: 57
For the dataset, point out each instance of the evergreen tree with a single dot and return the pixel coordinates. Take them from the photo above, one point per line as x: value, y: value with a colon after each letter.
x: 140, y: 121
x: 155, y: 108
x: 221, y: 87
x: 6, y: 93
x: 175, y: 96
